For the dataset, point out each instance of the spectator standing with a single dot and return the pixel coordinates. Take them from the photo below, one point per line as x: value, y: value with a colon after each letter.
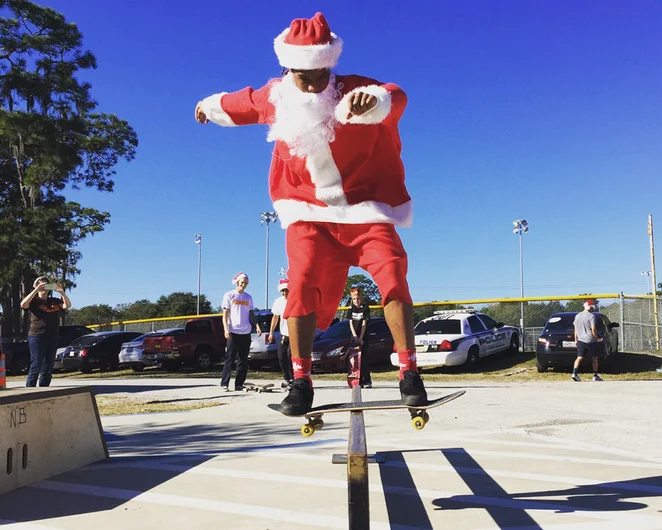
x: 284, y: 351
x: 588, y: 339
x: 45, y: 312
x: 359, y: 315
x: 238, y: 319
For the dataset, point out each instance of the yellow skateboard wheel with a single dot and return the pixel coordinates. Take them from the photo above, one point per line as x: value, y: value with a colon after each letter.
x: 418, y: 423
x: 307, y: 430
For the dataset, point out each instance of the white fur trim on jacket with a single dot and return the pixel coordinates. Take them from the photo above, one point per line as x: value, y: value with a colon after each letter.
x: 214, y: 112
x: 291, y: 211
x: 326, y: 177
x: 310, y: 57
x: 377, y: 114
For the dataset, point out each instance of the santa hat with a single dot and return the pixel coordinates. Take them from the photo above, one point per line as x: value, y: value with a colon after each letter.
x: 308, y: 45
x: 282, y: 284
x: 238, y: 277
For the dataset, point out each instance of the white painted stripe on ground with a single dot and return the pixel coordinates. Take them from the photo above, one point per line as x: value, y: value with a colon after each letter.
x: 593, y: 447
x: 562, y: 444
x: 642, y: 520
x: 530, y: 456
x: 246, y: 510
x: 553, y: 441
x: 15, y: 525
x: 536, y: 477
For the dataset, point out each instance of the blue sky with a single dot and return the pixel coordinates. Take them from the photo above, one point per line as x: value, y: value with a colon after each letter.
x: 547, y: 110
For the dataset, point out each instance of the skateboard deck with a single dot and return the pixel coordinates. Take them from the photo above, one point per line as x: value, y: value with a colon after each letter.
x: 419, y: 415
x: 252, y: 387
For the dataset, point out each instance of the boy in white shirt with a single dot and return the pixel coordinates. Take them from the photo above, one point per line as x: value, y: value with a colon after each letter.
x: 238, y: 318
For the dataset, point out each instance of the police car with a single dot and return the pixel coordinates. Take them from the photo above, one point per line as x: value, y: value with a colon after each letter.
x: 460, y: 336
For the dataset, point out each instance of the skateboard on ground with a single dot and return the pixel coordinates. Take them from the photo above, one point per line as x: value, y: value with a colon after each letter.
x: 252, y: 387
x: 419, y: 415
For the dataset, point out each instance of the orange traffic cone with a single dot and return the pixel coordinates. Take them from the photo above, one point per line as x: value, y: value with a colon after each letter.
x: 3, y: 372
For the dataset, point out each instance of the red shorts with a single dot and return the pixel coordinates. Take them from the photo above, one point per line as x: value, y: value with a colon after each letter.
x: 320, y: 255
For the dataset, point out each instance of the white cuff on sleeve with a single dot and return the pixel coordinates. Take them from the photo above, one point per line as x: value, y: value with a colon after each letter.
x: 211, y: 106
x: 377, y: 114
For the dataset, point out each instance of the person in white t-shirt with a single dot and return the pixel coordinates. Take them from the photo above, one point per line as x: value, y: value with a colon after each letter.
x: 238, y: 319
x: 284, y: 351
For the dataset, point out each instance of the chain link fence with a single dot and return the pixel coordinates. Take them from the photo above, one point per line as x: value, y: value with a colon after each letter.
x: 634, y: 314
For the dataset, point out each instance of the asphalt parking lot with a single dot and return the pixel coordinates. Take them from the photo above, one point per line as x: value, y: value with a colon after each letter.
x: 520, y: 455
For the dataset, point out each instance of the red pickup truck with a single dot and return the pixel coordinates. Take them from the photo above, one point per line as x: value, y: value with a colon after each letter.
x: 201, y: 345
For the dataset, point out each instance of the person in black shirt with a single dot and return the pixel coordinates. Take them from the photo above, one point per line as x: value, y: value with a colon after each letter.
x: 358, y: 315
x: 45, y: 312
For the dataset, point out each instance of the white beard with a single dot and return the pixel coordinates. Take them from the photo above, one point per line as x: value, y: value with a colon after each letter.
x: 303, y: 121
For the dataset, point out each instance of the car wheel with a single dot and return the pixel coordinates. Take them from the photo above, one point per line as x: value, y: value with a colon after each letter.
x: 473, y: 356
x: 20, y: 364
x: 85, y: 370
x: 170, y: 366
x: 541, y: 368
x: 137, y: 367
x: 255, y: 365
x: 203, y: 361
x: 514, y: 344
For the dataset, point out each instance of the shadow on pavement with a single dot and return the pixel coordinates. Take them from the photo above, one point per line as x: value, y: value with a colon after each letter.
x: 160, y: 454
x: 136, y: 389
x: 508, y: 509
x: 405, y: 506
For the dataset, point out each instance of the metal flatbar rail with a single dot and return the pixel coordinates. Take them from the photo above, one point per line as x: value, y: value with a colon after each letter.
x: 357, y: 469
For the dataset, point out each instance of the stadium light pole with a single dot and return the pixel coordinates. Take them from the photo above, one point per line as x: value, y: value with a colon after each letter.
x: 198, y: 241
x: 267, y: 218
x: 648, y: 281
x: 521, y: 227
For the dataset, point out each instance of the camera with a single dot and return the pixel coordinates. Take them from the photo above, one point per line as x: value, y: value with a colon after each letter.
x: 50, y: 286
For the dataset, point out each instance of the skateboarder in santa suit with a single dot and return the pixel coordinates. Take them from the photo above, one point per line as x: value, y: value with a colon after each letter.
x: 337, y: 183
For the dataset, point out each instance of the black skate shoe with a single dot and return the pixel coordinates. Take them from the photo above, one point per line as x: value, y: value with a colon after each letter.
x: 412, y: 391
x: 299, y: 400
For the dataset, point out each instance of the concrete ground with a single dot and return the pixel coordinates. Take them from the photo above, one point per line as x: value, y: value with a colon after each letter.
x: 519, y: 456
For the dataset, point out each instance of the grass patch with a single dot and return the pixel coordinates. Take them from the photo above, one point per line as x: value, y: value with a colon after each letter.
x: 115, y: 405
x: 501, y: 368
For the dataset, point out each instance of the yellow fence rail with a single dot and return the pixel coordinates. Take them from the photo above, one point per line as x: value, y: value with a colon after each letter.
x: 635, y: 314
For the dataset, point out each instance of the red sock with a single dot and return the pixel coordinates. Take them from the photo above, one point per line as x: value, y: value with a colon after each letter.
x: 302, y: 367
x: 407, y: 360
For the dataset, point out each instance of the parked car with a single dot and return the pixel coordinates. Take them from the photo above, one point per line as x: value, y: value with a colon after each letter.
x: 97, y: 350
x: 556, y: 345
x: 330, y: 348
x: 67, y: 335
x: 58, y: 364
x: 200, y: 345
x: 17, y: 351
x: 131, y: 353
x: 261, y: 351
x: 460, y: 336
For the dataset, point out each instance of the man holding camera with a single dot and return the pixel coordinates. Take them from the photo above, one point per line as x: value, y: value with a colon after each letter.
x: 45, y: 311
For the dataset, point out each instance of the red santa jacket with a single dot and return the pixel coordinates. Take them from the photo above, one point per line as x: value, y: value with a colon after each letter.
x: 358, y: 178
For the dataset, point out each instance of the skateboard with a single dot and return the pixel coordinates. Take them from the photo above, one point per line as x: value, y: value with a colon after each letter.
x: 354, y: 366
x: 252, y: 387
x: 419, y: 415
